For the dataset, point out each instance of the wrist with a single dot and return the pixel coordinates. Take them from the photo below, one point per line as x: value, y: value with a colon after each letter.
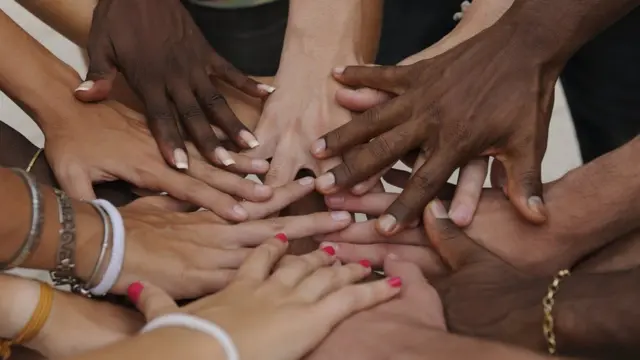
x: 16, y: 307
x: 197, y: 344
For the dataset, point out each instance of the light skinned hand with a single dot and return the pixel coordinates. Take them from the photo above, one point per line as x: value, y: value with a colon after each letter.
x: 107, y: 141
x: 278, y: 310
x: 192, y: 254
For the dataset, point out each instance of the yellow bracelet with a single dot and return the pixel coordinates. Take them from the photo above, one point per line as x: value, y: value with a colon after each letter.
x: 34, y: 325
x: 547, y: 306
x: 33, y: 160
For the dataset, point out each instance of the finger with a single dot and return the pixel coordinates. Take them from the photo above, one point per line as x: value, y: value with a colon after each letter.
x: 392, y: 79
x: 329, y: 279
x: 468, y: 191
x: 151, y: 300
x: 369, y: 204
x: 164, y: 128
x: 77, y: 184
x: 397, y: 178
x: 240, y: 163
x: 524, y: 183
x: 350, y: 299
x: 281, y: 198
x: 451, y: 243
x: 425, y: 258
x: 366, y: 160
x: 163, y: 202
x: 365, y: 232
x: 234, y: 77
x: 258, y: 265
x: 100, y: 76
x: 300, y: 267
x: 360, y: 99
x: 362, y: 128
x: 366, y: 186
x: 283, y: 167
x: 422, y: 188
x: 254, y: 232
x: 229, y: 183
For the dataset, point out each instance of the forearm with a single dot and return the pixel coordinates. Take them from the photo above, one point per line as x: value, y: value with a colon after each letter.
x: 32, y: 76
x: 167, y: 343
x: 331, y: 33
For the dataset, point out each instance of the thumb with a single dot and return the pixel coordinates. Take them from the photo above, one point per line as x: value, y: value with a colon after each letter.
x: 100, y: 77
x: 361, y: 99
x: 392, y: 79
x: 150, y: 300
x: 77, y: 184
x: 451, y: 243
x: 524, y: 186
x: 163, y: 202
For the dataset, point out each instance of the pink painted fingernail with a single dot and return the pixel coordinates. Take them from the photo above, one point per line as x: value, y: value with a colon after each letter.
x: 395, y: 282
x: 282, y: 237
x: 329, y: 250
x: 134, y: 290
x: 365, y: 263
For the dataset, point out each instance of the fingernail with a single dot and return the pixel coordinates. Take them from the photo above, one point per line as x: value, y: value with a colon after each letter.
x: 335, y: 200
x: 329, y: 250
x: 319, y: 146
x: 268, y: 88
x: 134, y: 290
x: 359, y: 189
x: 306, y: 181
x: 394, y: 282
x: 437, y: 210
x: 329, y: 244
x: 387, y: 222
x: 260, y: 165
x: 282, y: 237
x: 240, y: 211
x: 340, y: 215
x: 249, y: 139
x: 224, y: 157
x: 326, y: 181
x: 261, y: 190
x: 338, y: 70
x: 460, y: 215
x: 365, y: 263
x: 180, y: 158
x: 535, y: 204
x: 87, y: 85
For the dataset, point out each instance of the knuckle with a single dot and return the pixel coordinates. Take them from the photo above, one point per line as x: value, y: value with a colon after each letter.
x: 191, y: 111
x: 422, y: 183
x: 213, y: 100
x: 380, y: 147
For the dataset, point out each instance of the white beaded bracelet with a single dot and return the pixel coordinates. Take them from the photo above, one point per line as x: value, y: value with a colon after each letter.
x: 116, y: 259
x: 198, y: 324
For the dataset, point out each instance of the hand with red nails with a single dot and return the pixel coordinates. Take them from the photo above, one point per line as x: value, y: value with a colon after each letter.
x: 192, y: 254
x: 168, y: 62
x: 507, y: 119
x: 388, y: 330
x: 76, y: 148
x: 274, y: 309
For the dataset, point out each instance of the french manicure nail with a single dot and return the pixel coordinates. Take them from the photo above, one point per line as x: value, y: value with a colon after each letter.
x: 180, y: 158
x: 387, y: 222
x: 395, y: 282
x: 326, y: 181
x: 224, y: 157
x: 329, y: 250
x: 261, y: 190
x: 134, y: 290
x: 87, y: 85
x: 365, y: 263
x: 239, y: 210
x: 282, y: 237
x: 319, y: 146
x: 335, y: 200
x: 437, y: 210
x: 338, y: 70
x: 249, y: 139
x: 268, y: 88
x: 340, y: 215
x: 306, y: 181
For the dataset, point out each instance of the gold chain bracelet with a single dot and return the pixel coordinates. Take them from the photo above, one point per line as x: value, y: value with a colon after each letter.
x: 547, y: 305
x: 33, y: 160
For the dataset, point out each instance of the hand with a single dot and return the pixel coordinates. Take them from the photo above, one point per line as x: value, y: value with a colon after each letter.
x: 401, y: 322
x: 437, y: 118
x: 281, y: 314
x: 192, y: 254
x: 95, y: 143
x: 168, y: 63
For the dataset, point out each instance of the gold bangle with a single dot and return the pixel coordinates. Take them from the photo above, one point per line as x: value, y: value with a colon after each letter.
x: 34, y: 325
x: 547, y: 307
x: 33, y: 160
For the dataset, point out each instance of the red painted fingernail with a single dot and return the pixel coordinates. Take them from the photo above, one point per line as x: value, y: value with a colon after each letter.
x: 395, y: 282
x: 365, y: 263
x: 134, y: 290
x: 329, y: 250
x: 282, y: 237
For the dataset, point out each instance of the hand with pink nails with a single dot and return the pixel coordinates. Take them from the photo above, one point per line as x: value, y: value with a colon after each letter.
x: 276, y: 308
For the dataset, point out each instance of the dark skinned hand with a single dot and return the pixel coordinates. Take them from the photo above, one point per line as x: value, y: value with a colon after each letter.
x: 486, y: 96
x: 169, y: 64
